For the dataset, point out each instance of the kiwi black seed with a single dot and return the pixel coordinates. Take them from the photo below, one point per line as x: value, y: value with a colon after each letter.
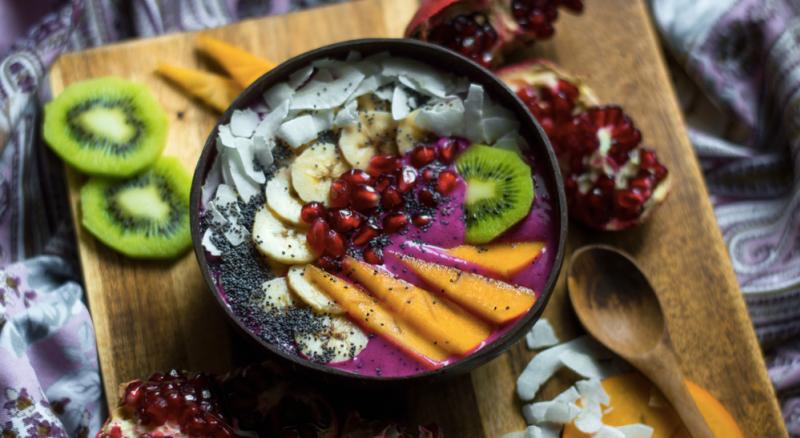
x: 106, y: 126
x: 499, y: 191
x: 144, y: 216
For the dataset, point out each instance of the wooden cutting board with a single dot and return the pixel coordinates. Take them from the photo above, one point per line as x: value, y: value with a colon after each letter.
x: 152, y: 316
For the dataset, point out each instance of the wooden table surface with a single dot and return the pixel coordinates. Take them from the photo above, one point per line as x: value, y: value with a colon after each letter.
x: 153, y: 316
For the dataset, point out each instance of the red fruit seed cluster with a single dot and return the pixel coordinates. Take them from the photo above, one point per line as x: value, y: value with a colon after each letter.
x: 366, y: 205
x: 185, y: 400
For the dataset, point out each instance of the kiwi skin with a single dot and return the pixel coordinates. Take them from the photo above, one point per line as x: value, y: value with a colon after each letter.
x: 499, y: 191
x: 81, y: 123
x: 118, y: 213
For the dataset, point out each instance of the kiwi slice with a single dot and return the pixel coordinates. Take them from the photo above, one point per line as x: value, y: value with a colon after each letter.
x: 499, y: 191
x: 145, y: 216
x: 106, y: 126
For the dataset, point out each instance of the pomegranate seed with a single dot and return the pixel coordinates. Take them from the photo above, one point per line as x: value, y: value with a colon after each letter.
x: 647, y: 159
x: 357, y: 176
x: 133, y: 393
x: 155, y: 413
x: 406, y: 179
x: 382, y: 164
x: 391, y: 199
x: 334, y: 245
x: 428, y: 198
x: 329, y: 264
x: 628, y: 203
x: 447, y: 149
x: 365, y: 198
x: 421, y: 220
x: 422, y: 155
x: 366, y: 233
x: 340, y: 192
x: 383, y: 182
x: 311, y: 211
x: 446, y: 182
x: 429, y: 174
x: 395, y: 222
x: 642, y: 183
x: 660, y: 172
x: 373, y: 256
x: 317, y: 234
x: 345, y: 220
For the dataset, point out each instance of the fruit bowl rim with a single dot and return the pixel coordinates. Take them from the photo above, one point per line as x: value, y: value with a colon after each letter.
x: 442, y: 60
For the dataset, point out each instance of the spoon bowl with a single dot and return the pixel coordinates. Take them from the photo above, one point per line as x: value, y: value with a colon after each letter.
x: 619, y: 307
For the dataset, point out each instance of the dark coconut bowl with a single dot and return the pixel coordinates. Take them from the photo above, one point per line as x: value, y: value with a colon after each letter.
x: 444, y: 60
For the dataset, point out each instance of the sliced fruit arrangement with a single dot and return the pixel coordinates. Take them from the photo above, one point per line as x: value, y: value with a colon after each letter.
x: 145, y: 216
x: 612, y: 181
x: 106, y: 126
x: 485, y: 30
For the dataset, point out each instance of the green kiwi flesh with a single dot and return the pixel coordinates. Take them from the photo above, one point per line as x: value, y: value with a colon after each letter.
x: 144, y: 216
x: 499, y: 191
x: 106, y: 126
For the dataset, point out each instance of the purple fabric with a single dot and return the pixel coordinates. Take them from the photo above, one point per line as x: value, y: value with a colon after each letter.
x: 739, y: 82
x: 49, y: 377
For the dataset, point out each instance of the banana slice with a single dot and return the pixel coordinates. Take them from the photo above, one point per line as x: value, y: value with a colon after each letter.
x: 278, y: 241
x: 310, y: 293
x: 374, y: 133
x: 276, y: 295
x: 315, y: 169
x: 281, y: 200
x: 338, y: 340
x: 371, y: 102
x: 409, y: 135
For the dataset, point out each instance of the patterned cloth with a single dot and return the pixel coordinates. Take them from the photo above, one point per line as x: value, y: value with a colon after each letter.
x: 738, y: 77
x: 742, y: 105
x: 49, y: 379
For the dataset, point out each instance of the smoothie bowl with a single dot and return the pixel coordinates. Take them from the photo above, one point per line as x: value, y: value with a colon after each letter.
x: 379, y: 210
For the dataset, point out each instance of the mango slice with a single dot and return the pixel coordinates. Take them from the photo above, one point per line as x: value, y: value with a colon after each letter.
x: 490, y: 299
x: 439, y: 319
x: 367, y: 312
x: 215, y: 90
x: 243, y: 66
x: 634, y: 399
x: 506, y: 259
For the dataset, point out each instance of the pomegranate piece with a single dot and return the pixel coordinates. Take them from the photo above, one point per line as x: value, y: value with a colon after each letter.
x: 311, y: 211
x: 383, y: 182
x: 367, y: 232
x: 334, y: 244
x: 317, y: 234
x: 357, y: 176
x: 339, y: 195
x: 422, y: 155
x: 383, y: 164
x: 391, y: 199
x: 446, y: 182
x: 429, y: 174
x: 373, y: 256
x: 395, y: 222
x: 484, y: 30
x: 421, y: 220
x: 611, y: 181
x: 427, y: 198
x: 168, y: 405
x: 364, y: 198
x: 345, y: 220
x: 447, y: 148
x: 406, y: 178
x: 330, y: 264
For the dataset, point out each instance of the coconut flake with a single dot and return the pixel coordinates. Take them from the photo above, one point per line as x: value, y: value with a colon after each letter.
x: 608, y: 432
x: 541, y: 335
x: 226, y: 199
x: 370, y: 85
x: 590, y: 418
x: 326, y: 95
x: 236, y: 234
x: 347, y: 116
x: 473, y: 113
x: 592, y: 391
x: 552, y: 411
x: 301, y: 130
x: 225, y: 136
x: 444, y: 117
x: 244, y: 122
x: 493, y: 128
x: 418, y: 76
x: 267, y: 127
x: 262, y: 149
x: 323, y: 75
x: 213, y: 179
x: 299, y: 77
x: 244, y: 153
x: 278, y: 94
x: 546, y: 363
x: 544, y: 431
x: 400, y: 103
x: 352, y: 56
x: 510, y: 142
x: 234, y: 173
x: 636, y: 430
x: 209, y: 245
x: 586, y: 364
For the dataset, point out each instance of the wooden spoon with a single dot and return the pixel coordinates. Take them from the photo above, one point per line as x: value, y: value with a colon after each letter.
x: 617, y: 305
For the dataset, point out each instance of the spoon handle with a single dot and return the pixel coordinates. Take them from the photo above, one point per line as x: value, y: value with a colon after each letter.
x: 664, y: 371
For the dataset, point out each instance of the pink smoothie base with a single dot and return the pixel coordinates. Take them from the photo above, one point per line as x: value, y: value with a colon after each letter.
x: 381, y: 358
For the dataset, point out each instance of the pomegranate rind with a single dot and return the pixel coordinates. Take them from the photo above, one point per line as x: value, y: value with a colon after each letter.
x: 540, y: 72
